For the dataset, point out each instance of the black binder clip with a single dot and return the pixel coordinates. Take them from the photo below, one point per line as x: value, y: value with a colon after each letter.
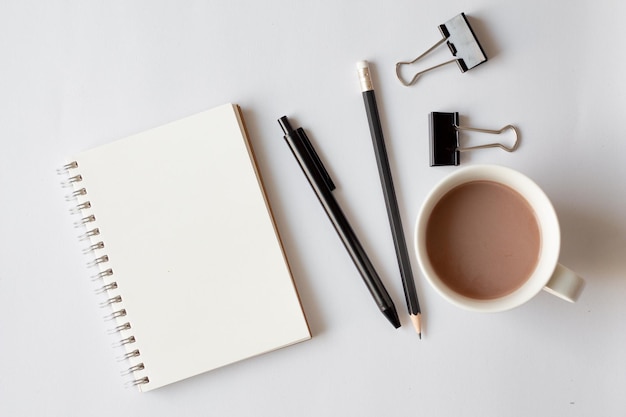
x: 460, y: 38
x: 444, y: 139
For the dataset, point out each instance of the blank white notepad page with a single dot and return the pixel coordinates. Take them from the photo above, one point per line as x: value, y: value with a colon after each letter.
x: 192, y: 246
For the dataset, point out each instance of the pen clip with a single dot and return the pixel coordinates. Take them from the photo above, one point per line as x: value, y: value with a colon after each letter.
x: 316, y: 159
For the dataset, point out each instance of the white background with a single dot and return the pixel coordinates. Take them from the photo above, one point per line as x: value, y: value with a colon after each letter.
x: 74, y: 75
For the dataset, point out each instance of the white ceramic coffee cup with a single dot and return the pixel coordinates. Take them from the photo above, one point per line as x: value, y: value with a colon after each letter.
x: 548, y: 274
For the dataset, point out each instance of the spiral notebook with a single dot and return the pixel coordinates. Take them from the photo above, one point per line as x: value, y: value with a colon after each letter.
x: 187, y: 251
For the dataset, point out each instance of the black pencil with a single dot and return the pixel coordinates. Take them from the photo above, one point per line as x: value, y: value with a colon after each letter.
x: 386, y: 180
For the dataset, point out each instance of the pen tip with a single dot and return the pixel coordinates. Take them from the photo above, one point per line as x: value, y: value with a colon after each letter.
x: 392, y: 316
x: 362, y: 64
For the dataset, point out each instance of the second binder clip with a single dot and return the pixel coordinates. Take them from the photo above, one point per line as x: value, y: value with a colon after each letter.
x: 444, y: 139
x: 461, y: 41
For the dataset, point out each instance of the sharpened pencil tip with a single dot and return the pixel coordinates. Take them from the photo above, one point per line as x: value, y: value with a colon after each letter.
x: 416, y: 319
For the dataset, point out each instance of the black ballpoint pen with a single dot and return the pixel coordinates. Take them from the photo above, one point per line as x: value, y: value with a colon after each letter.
x: 371, y: 108
x: 323, y: 186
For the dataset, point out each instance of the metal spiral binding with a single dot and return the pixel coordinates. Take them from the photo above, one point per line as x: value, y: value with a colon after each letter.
x: 82, y: 206
x: 66, y: 168
x: 116, y: 314
x: 102, y: 274
x: 109, y: 286
x: 102, y: 259
x: 127, y: 341
x: 75, y: 178
x: 85, y: 220
x: 121, y: 327
x: 140, y: 381
x: 89, y: 234
x: 74, y: 195
x: 112, y: 300
x: 134, y: 368
x: 133, y: 354
x: 94, y: 247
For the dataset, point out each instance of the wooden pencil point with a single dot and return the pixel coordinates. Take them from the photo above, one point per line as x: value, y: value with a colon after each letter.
x: 416, y: 319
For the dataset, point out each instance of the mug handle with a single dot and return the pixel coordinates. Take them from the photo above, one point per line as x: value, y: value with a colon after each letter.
x: 565, y: 284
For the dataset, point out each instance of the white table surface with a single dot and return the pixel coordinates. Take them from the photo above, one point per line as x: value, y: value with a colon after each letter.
x: 79, y: 74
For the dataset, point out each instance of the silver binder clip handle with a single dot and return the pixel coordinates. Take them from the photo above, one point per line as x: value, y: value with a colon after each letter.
x: 417, y: 75
x: 463, y: 45
x: 493, y: 132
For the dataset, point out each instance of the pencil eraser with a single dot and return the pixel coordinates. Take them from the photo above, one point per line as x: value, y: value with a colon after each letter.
x: 362, y: 65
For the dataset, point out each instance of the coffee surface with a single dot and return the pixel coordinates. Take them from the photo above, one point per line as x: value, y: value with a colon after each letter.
x: 483, y: 239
